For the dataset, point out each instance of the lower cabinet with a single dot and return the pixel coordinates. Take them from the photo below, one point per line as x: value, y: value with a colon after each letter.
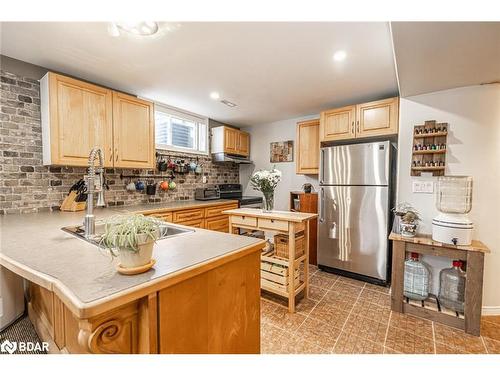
x: 210, y: 218
x: 220, y: 224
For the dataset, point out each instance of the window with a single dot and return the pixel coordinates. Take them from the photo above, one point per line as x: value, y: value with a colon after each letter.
x: 180, y: 131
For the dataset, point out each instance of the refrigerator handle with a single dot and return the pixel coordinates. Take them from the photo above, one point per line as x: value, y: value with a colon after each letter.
x: 322, y: 206
x: 322, y: 163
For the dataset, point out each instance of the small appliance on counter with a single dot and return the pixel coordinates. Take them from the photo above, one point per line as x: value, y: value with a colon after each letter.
x: 207, y: 194
x: 454, y: 202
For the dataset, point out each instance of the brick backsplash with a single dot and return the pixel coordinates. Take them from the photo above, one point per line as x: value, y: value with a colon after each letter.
x: 28, y: 186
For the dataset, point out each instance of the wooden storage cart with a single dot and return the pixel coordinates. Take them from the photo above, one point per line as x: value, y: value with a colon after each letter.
x: 473, y: 255
x: 276, y: 276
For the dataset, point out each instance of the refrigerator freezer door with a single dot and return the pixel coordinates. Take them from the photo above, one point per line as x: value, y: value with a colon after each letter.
x: 358, y: 164
x: 353, y: 229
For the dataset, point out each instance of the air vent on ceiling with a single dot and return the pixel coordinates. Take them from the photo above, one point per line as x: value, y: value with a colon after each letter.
x: 228, y: 103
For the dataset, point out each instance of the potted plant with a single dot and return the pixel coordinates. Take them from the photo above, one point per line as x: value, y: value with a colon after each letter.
x: 408, y: 219
x: 131, y: 238
x: 266, y: 181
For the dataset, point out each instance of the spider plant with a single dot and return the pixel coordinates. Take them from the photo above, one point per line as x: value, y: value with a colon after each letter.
x: 127, y: 232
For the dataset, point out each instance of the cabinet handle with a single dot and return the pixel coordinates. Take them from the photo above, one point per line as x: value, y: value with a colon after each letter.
x: 357, y: 126
x: 352, y: 128
x: 116, y: 152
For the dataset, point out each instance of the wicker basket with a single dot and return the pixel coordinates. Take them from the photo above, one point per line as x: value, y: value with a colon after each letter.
x: 281, y: 245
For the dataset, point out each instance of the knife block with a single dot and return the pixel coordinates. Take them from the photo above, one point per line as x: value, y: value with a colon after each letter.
x: 70, y: 204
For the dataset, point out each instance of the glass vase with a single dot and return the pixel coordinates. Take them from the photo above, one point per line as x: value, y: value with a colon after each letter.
x: 268, y: 201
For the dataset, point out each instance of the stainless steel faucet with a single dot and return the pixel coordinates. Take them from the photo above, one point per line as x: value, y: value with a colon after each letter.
x: 94, y: 185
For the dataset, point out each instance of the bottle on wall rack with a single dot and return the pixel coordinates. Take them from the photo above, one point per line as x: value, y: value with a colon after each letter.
x: 452, y: 287
x: 416, y: 278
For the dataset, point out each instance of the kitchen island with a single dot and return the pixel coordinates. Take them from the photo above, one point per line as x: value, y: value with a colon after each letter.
x: 280, y: 273
x: 202, y: 296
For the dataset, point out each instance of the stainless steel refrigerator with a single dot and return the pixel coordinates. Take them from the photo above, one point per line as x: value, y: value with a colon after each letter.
x: 354, y: 210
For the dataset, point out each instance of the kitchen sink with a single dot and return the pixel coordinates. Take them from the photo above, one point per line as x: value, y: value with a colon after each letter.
x: 166, y: 231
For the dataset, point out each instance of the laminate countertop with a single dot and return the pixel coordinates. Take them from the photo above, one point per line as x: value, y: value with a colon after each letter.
x: 82, y: 274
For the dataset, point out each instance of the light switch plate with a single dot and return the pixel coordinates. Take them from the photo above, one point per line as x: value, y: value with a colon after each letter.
x: 204, y: 179
x: 426, y: 187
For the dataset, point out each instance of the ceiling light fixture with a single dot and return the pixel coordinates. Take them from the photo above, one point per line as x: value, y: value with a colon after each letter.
x: 215, y: 95
x: 339, y: 55
x: 143, y: 28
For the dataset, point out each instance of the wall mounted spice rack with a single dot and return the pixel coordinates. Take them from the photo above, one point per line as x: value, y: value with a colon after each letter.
x: 429, y: 148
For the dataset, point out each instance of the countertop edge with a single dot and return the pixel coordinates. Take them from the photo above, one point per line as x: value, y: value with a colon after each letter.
x: 85, y: 310
x: 426, y: 239
x: 277, y: 215
x: 194, y: 206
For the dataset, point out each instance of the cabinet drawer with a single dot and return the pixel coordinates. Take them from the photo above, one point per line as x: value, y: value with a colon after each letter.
x: 164, y: 217
x: 197, y: 223
x: 187, y: 215
x: 273, y: 224
x: 219, y: 224
x: 245, y: 220
x: 217, y: 210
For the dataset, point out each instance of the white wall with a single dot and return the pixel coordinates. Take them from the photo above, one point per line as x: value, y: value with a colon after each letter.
x: 473, y: 115
x: 261, y: 136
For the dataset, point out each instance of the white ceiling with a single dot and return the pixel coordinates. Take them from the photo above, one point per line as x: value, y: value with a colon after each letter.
x: 433, y: 56
x: 272, y: 71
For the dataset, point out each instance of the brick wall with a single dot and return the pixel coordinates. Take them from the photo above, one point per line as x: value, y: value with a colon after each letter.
x: 28, y: 186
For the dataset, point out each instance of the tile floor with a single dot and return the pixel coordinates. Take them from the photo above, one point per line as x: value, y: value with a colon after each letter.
x: 344, y: 316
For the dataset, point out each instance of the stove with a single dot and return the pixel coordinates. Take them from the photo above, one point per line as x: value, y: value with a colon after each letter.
x: 235, y: 191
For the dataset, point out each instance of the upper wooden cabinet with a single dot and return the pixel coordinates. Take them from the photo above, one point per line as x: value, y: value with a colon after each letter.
x: 77, y: 116
x: 243, y: 145
x: 230, y: 141
x: 371, y: 119
x: 307, y: 154
x: 377, y: 118
x: 133, y: 130
x: 337, y: 124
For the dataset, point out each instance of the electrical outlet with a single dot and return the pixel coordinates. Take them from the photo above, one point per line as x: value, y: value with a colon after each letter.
x: 204, y: 179
x: 426, y: 187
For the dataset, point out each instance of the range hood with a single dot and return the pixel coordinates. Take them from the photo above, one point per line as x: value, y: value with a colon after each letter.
x: 222, y: 157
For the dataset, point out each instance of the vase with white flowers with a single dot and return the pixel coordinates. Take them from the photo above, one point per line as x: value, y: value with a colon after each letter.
x: 266, y: 182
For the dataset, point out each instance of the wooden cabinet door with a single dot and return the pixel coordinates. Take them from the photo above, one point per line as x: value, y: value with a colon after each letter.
x: 79, y: 118
x: 133, y: 132
x: 230, y: 140
x: 337, y: 124
x: 377, y: 118
x: 307, y: 154
x: 219, y: 224
x: 243, y: 146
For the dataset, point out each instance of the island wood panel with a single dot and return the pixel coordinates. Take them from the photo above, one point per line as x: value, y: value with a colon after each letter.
x: 214, y: 312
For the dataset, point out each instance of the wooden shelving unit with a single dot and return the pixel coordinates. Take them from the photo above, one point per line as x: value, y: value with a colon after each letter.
x: 308, y: 202
x: 472, y: 255
x: 285, y: 277
x: 429, y: 160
